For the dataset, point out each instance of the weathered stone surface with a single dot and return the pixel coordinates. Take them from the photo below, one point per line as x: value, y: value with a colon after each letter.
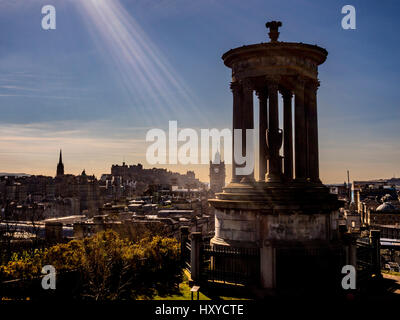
x: 296, y: 227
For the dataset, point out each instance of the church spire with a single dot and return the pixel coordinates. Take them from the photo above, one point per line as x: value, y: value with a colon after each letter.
x: 217, y: 156
x: 60, y: 166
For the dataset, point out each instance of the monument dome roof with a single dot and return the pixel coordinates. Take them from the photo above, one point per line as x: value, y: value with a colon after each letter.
x: 385, y: 207
x: 274, y: 58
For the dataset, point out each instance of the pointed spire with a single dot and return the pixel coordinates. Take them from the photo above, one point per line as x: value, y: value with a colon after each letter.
x: 217, y: 157
x: 60, y: 166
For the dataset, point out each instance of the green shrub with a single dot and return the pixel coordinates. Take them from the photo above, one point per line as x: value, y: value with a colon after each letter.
x: 109, y: 267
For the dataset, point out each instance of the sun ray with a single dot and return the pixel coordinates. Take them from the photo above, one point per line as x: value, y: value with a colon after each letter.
x: 151, y: 83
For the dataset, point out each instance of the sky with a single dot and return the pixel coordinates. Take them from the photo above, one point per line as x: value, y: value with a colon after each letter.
x: 112, y: 70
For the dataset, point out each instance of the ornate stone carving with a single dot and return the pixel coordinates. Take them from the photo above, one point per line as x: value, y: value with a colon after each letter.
x: 274, y: 143
x: 312, y: 85
x: 290, y: 62
x: 286, y: 93
x: 261, y: 93
x: 272, y: 82
x: 273, y: 30
x: 235, y: 86
x: 248, y: 84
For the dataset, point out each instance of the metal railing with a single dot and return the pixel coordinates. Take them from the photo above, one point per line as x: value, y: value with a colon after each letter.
x: 237, y: 266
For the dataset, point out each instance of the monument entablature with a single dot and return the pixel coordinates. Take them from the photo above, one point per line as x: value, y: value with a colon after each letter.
x: 280, y: 58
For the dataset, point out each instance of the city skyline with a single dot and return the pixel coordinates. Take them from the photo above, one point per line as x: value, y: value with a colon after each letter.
x: 172, y: 168
x: 75, y: 87
x: 172, y: 150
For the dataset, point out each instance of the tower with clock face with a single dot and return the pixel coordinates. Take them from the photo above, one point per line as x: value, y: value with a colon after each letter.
x: 217, y: 174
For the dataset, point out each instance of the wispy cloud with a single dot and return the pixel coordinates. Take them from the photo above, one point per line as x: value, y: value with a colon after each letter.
x: 38, y: 97
x: 12, y: 87
x: 34, y: 147
x: 21, y: 84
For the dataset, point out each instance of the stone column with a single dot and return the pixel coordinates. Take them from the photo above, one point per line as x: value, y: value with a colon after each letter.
x: 312, y: 131
x: 79, y: 230
x: 236, y: 88
x: 288, y: 134
x: 195, y: 257
x: 247, y: 118
x: 353, y: 252
x: 263, y: 126
x: 300, y: 132
x: 274, y: 135
x: 268, y: 267
x: 53, y: 232
x: 375, y: 241
x: 98, y: 224
x: 184, y: 235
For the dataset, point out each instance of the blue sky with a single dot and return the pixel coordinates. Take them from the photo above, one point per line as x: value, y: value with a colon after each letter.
x: 77, y: 88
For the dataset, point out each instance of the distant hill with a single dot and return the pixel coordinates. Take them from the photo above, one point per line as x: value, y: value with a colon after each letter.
x: 2, y: 174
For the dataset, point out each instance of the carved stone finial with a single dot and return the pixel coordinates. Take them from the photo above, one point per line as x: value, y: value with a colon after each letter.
x: 273, y: 27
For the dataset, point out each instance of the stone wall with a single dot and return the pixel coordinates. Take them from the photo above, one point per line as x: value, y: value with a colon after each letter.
x: 252, y: 226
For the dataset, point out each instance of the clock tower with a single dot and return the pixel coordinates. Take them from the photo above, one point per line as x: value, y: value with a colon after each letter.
x: 217, y: 174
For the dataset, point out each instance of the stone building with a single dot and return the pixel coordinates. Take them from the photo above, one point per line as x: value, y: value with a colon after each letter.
x: 37, y: 211
x: 384, y: 214
x: 87, y: 189
x: 154, y: 176
x: 135, y: 227
x: 352, y: 219
x: 61, y: 208
x: 217, y: 173
x: 368, y: 197
x: 343, y: 191
x: 287, y: 213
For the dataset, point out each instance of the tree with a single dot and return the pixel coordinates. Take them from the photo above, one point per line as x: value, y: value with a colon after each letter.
x: 107, y: 267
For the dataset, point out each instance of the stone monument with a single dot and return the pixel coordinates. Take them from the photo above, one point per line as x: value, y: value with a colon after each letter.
x: 287, y: 212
